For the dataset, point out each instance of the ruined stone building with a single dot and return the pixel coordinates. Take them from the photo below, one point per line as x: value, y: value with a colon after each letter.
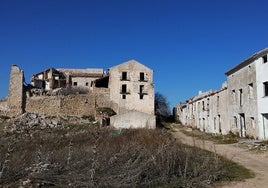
x: 206, y: 111
x: 132, y: 90
x: 239, y: 106
x: 127, y: 89
x: 60, y: 78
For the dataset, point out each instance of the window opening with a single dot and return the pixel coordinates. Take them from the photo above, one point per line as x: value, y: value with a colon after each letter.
x: 264, y: 59
x: 75, y: 83
x: 265, y: 85
x: 240, y: 97
x: 250, y: 90
x: 142, y: 76
x: 124, y: 88
x: 124, y: 76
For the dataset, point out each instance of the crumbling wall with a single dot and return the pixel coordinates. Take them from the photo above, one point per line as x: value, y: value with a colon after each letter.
x: 72, y: 105
x: 102, y: 97
x: 16, y: 97
x: 3, y: 106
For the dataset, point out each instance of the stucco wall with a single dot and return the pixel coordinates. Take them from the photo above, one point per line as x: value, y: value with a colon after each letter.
x: 133, y: 119
x: 261, y: 77
x: 242, y: 106
x: 207, y: 111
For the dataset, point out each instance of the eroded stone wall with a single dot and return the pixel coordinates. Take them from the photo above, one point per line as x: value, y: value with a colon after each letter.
x: 72, y: 105
x: 16, y: 97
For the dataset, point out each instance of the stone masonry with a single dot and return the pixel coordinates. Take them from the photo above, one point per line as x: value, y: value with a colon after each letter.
x: 16, y: 95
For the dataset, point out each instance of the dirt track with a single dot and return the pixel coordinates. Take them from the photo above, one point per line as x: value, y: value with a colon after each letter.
x: 256, y: 162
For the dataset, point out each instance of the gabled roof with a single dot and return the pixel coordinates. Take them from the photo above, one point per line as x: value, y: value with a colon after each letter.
x: 129, y: 63
x: 247, y: 61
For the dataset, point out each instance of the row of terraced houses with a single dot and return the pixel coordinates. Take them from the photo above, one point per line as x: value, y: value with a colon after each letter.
x: 240, y: 106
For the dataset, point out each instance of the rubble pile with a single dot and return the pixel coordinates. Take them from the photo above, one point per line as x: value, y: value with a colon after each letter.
x: 29, y: 121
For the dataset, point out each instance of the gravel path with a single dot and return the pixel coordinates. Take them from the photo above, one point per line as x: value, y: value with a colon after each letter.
x: 257, y: 162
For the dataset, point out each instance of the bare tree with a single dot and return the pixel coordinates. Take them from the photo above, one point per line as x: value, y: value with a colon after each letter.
x: 162, y: 110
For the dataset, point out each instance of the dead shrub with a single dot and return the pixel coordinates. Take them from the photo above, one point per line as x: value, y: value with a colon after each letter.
x: 94, y: 158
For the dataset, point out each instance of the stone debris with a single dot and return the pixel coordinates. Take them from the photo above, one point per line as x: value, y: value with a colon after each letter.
x: 255, y: 145
x: 30, y: 121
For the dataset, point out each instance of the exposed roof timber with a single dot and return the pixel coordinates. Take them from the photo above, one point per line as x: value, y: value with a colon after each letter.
x: 247, y: 61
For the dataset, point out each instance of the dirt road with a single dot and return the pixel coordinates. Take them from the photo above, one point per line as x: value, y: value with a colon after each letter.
x: 256, y: 162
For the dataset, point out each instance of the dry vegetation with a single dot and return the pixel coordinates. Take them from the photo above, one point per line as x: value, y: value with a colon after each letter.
x: 85, y: 156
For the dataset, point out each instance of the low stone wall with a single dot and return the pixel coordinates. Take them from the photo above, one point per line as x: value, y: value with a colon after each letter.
x: 72, y: 105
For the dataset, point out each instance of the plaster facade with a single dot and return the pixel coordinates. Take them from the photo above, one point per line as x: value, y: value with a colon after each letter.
x: 240, y: 106
x: 133, y: 119
x: 206, y: 111
x: 248, y: 104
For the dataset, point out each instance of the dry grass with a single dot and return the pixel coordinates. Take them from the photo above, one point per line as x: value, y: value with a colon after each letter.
x: 91, y: 157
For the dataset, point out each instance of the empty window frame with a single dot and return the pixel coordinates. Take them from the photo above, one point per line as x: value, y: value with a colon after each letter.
x: 142, y: 78
x: 252, y: 122
x: 86, y: 83
x: 233, y: 96
x: 240, y: 97
x: 75, y: 83
x: 265, y: 88
x: 141, y: 89
x: 218, y: 102
x: 250, y: 90
x: 141, y: 92
x: 264, y: 59
x: 235, y: 121
x: 124, y: 76
x: 123, y: 96
x: 124, y: 89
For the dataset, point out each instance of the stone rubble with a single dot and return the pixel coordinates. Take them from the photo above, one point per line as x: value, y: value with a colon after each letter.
x: 30, y: 121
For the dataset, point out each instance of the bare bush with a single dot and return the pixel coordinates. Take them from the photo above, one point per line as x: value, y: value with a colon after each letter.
x: 93, y: 158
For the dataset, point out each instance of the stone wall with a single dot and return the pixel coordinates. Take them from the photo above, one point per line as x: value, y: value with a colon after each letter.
x: 16, y: 102
x: 72, y: 105
x: 3, y: 105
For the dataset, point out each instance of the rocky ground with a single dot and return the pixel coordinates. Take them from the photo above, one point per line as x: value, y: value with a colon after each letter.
x: 30, y: 121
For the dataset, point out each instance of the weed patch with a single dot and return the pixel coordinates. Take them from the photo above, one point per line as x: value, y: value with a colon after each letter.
x: 93, y: 157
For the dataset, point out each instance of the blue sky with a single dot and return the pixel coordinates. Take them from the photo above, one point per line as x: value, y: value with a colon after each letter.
x: 188, y: 43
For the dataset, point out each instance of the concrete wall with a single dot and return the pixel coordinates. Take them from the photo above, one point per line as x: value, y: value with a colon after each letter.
x: 133, y: 83
x: 15, y: 94
x: 133, y: 119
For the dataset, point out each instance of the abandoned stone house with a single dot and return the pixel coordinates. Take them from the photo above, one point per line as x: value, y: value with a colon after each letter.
x: 239, y: 106
x: 60, y: 78
x: 127, y: 89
